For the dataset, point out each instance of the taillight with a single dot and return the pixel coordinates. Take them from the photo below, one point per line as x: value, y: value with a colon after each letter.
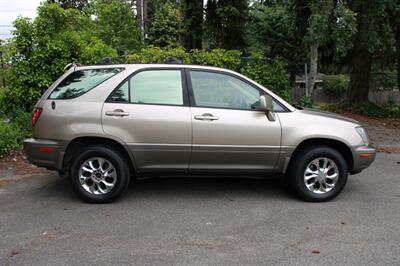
x: 36, y: 114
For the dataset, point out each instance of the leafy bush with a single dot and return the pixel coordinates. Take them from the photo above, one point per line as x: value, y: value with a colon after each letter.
x: 336, y: 83
x: 13, y: 129
x: 154, y: 54
x: 366, y: 108
x: 307, y: 102
x: 271, y: 75
x: 229, y: 59
x: 375, y: 110
x: 383, y: 80
x: 41, y: 49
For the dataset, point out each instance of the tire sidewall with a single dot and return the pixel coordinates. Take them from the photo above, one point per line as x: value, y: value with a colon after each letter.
x: 302, y: 161
x: 116, y: 159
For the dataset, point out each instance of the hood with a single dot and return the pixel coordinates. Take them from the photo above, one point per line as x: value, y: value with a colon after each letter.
x: 328, y: 115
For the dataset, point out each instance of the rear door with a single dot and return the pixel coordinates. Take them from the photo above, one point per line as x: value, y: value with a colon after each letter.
x: 149, y: 112
x: 229, y: 133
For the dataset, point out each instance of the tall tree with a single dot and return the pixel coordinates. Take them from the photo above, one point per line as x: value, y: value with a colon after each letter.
x: 278, y: 27
x: 166, y: 26
x: 301, y: 14
x: 321, y: 11
x: 192, y: 24
x: 394, y: 20
x: 79, y: 4
x: 330, y: 22
x: 116, y: 25
x: 211, y: 24
x: 396, y: 29
x: 225, y: 25
x: 368, y: 39
x: 297, y: 29
x: 233, y: 15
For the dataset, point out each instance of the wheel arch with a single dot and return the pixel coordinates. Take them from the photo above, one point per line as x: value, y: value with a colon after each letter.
x: 79, y: 143
x: 339, y: 146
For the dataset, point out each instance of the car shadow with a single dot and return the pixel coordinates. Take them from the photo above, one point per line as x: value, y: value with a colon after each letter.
x: 185, y: 187
x: 210, y: 187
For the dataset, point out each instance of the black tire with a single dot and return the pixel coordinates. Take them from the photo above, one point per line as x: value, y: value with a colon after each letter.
x: 298, y: 167
x: 120, y: 164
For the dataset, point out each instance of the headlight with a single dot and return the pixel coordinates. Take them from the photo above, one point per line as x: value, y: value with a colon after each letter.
x: 363, y: 134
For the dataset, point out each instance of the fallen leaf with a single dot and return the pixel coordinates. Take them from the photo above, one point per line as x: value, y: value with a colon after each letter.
x: 315, y: 251
x: 14, y: 252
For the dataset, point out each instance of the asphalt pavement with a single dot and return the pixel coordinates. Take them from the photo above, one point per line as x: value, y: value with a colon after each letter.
x: 212, y: 221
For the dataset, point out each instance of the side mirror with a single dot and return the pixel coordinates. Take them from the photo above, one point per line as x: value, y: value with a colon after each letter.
x: 266, y: 105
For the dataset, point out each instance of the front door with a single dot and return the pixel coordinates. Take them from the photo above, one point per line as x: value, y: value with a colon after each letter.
x: 229, y: 133
x: 150, y: 113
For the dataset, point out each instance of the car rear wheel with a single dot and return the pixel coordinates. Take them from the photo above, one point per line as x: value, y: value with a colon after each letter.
x: 100, y: 174
x: 318, y: 173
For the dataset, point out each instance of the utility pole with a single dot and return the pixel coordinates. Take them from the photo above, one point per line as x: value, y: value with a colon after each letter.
x: 2, y: 66
x: 306, y: 78
x: 141, y: 7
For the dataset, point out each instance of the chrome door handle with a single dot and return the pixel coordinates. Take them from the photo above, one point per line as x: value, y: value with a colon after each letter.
x: 206, y: 116
x: 117, y: 112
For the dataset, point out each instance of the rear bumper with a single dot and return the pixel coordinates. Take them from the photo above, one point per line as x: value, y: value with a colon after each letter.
x: 363, y: 157
x: 45, y: 153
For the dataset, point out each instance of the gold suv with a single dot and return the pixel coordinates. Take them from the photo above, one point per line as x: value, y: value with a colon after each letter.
x: 103, y: 125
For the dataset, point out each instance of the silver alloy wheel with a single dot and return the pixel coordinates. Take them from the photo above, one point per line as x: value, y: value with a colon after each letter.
x: 97, y: 176
x: 321, y: 175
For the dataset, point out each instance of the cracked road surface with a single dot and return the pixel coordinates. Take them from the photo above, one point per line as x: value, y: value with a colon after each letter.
x: 203, y: 222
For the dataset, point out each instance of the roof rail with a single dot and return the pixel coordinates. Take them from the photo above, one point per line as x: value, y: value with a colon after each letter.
x: 173, y: 60
x: 70, y: 65
x: 105, y: 61
x: 120, y: 59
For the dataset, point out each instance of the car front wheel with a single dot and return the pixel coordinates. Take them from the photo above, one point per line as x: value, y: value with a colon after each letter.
x: 318, y: 173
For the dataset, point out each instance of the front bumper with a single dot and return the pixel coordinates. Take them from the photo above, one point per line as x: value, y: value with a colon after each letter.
x: 45, y: 153
x: 363, y: 157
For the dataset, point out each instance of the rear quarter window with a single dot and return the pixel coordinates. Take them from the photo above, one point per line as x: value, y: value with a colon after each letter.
x: 82, y: 81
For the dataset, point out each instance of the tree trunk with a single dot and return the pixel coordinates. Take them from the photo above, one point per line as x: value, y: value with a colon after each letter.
x: 312, y: 76
x: 360, y: 76
x: 360, y: 61
x: 398, y: 55
x: 292, y: 79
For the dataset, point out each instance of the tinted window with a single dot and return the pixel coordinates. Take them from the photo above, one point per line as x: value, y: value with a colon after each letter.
x: 223, y: 91
x: 151, y: 87
x: 121, y: 94
x: 157, y: 87
x: 277, y: 107
x: 81, y: 81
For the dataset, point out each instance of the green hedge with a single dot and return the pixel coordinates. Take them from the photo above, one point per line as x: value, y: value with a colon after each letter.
x: 13, y: 129
x: 336, y: 83
x: 365, y: 108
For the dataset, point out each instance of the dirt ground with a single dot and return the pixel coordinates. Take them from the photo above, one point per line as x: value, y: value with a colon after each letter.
x: 384, y: 134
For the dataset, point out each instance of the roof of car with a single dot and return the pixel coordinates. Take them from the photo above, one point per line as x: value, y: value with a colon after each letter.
x: 153, y: 65
x: 134, y: 67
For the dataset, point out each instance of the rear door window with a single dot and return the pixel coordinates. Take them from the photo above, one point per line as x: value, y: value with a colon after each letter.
x: 82, y: 81
x: 160, y: 87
